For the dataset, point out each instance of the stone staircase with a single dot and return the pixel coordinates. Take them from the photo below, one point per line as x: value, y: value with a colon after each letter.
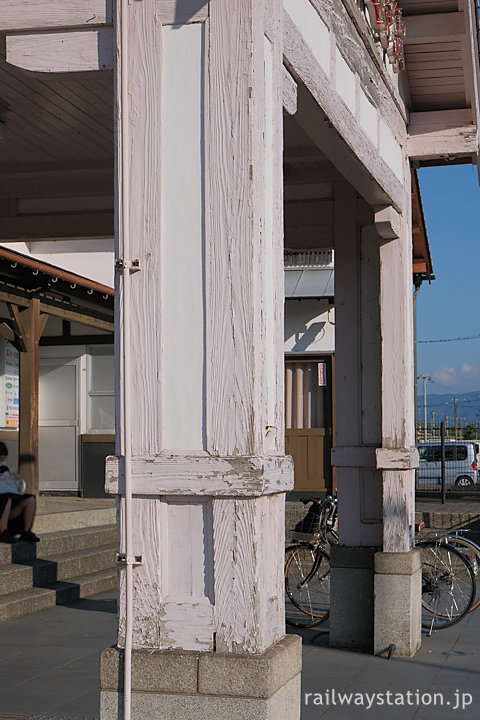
x: 65, y: 566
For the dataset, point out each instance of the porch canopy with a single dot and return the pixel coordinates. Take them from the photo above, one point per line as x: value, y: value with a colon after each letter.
x: 441, y: 80
x: 44, y: 304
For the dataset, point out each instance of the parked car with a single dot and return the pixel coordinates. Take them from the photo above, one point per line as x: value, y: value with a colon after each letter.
x: 460, y: 463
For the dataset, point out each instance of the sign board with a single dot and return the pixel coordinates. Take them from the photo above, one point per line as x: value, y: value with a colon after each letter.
x: 322, y: 374
x: 11, y: 386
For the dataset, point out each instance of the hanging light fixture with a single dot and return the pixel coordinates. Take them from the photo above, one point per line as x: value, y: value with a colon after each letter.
x: 389, y: 29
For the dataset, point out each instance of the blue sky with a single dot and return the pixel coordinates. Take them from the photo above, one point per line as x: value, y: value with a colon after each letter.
x: 450, y: 306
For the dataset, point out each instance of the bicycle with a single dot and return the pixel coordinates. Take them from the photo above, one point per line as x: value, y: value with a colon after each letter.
x: 448, y: 579
x: 448, y: 584
x: 469, y: 549
x: 307, y: 566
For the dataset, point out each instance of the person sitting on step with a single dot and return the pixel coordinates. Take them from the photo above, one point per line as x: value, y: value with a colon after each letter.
x: 17, y: 508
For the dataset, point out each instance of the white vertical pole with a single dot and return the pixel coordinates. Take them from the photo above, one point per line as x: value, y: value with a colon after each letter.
x: 425, y: 378
x: 126, y: 342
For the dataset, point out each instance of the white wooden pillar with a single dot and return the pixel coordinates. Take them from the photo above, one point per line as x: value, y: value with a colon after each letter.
x: 205, y: 362
x: 374, y: 569
x: 397, y: 567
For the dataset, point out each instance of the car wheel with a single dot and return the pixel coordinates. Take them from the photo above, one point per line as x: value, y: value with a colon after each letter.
x: 464, y: 481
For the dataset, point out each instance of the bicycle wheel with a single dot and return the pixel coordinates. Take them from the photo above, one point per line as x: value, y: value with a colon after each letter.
x: 448, y: 585
x: 307, y: 585
x: 472, y: 552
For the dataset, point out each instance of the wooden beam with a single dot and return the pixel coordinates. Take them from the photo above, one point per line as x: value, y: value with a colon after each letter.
x: 366, y: 171
x: 442, y: 135
x: 419, y: 266
x: 62, y: 51
x: 44, y: 14
x: 29, y: 324
x: 167, y: 475
x: 387, y: 222
x: 84, y: 181
x: 19, y: 329
x: 472, y: 69
x: 7, y: 332
x: 32, y: 14
x: 324, y: 117
x: 57, y: 340
x: 79, y: 316
x: 289, y: 92
x: 435, y: 28
x: 38, y: 227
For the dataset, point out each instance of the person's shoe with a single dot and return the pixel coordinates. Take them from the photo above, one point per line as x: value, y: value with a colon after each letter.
x: 29, y: 536
x: 7, y: 537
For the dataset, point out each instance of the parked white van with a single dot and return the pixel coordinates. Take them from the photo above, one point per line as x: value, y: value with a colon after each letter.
x: 460, y: 463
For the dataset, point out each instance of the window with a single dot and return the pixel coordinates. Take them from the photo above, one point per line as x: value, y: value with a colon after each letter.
x: 101, y: 390
x: 425, y: 454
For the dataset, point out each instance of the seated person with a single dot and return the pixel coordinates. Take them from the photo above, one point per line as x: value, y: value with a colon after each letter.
x: 17, y: 509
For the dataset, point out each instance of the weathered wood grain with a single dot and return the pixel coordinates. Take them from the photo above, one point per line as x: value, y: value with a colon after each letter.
x: 449, y: 143
x: 31, y: 14
x: 341, y: 138
x: 62, y: 51
x: 289, y: 92
x: 397, y: 458
x: 173, y: 586
x: 249, y: 613
x: 181, y: 12
x: 143, y: 195
x: 38, y: 14
x: 397, y: 384
x: 187, y: 475
x: 243, y: 231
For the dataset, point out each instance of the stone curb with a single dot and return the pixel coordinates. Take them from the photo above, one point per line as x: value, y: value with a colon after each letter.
x: 193, y: 673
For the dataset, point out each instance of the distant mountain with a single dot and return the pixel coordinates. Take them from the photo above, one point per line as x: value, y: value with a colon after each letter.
x: 468, y: 407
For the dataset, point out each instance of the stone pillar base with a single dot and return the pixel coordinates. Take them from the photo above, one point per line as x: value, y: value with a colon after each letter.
x: 398, y: 594
x: 188, y: 685
x: 351, y: 597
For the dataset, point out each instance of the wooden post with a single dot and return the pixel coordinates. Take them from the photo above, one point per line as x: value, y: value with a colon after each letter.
x: 203, y: 171
x: 375, y: 568
x: 398, y: 412
x: 29, y: 325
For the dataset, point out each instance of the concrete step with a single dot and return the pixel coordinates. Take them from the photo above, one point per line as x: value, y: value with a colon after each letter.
x: 55, y: 543
x: 84, y: 585
x: 24, y: 602
x: 73, y: 514
x: 33, y: 599
x: 64, y: 566
x: 14, y: 578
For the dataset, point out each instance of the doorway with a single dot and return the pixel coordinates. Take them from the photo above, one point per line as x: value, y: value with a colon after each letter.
x: 309, y: 420
x: 58, y: 424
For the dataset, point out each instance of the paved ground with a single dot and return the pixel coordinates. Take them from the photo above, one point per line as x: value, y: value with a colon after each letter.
x: 446, y: 670
x: 49, y: 661
x: 49, y: 668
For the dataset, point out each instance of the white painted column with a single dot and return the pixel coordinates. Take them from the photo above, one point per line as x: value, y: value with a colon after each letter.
x: 358, y: 422
x: 398, y: 575
x: 375, y: 568
x: 398, y: 458
x: 205, y: 199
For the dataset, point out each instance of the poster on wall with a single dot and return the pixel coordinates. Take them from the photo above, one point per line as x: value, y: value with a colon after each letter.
x: 11, y: 386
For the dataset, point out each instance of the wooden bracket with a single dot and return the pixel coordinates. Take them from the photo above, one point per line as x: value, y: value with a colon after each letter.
x: 387, y: 222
